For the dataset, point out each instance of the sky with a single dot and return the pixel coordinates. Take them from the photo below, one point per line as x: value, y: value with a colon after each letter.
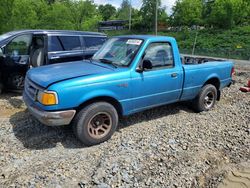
x: 136, y: 3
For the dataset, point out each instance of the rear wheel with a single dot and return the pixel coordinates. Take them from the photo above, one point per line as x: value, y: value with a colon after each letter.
x: 206, y: 98
x: 95, y: 123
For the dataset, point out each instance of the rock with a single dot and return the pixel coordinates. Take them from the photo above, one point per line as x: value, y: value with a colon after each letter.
x: 103, y: 185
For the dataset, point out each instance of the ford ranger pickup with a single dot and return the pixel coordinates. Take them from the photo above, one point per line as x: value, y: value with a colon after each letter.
x: 128, y: 74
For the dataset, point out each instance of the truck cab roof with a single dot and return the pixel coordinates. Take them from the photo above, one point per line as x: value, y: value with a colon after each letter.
x: 147, y: 37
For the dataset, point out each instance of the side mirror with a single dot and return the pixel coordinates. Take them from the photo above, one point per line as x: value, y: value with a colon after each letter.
x: 146, y: 64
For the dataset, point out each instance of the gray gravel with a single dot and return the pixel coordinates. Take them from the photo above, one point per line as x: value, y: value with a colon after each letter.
x: 169, y: 146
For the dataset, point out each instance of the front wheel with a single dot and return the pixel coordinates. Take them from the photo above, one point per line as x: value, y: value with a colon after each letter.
x: 95, y: 123
x: 206, y: 98
x: 16, y: 81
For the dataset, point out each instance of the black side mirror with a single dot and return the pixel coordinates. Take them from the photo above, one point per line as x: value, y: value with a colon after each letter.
x: 146, y: 64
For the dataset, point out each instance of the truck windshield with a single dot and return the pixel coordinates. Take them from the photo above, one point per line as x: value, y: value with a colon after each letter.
x: 118, y: 51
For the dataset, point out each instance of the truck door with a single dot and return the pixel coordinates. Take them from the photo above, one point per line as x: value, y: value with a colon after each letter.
x: 160, y: 85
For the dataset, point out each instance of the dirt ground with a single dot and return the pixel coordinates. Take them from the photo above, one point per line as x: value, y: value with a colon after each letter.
x: 169, y: 146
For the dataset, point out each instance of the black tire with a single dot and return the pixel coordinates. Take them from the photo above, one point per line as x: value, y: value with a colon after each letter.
x: 95, y: 123
x: 16, y: 81
x: 206, y: 98
x: 1, y: 88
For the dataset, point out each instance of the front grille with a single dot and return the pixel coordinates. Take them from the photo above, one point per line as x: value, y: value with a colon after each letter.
x: 31, y: 89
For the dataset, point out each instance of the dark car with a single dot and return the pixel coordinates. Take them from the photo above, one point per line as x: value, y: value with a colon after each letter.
x: 20, y: 50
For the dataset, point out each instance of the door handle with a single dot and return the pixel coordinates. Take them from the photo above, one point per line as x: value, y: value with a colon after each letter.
x: 54, y: 57
x: 174, y: 75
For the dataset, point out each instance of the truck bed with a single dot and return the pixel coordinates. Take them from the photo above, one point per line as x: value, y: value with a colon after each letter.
x: 194, y: 60
x: 198, y: 70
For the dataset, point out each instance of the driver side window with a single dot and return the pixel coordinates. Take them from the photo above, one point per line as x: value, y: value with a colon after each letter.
x: 160, y: 55
x: 19, y: 46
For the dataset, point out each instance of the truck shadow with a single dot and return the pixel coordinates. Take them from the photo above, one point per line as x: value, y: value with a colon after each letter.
x: 154, y: 113
x: 34, y: 135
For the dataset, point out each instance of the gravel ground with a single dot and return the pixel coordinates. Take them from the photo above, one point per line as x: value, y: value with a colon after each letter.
x: 169, y: 146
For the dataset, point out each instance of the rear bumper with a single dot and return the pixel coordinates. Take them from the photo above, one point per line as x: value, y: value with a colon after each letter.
x: 55, y: 118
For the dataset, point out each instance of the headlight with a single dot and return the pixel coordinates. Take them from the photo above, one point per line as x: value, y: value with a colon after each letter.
x: 47, y: 97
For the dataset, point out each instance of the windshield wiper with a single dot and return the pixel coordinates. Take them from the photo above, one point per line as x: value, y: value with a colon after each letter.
x: 107, y: 61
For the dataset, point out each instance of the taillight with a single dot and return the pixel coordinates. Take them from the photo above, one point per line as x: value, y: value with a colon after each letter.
x: 232, y: 72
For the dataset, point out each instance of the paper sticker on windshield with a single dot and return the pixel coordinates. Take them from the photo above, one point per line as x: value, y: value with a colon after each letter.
x: 134, y: 41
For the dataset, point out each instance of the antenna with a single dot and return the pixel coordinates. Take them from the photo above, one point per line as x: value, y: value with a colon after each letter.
x: 195, y: 40
x: 156, y: 17
x: 130, y: 12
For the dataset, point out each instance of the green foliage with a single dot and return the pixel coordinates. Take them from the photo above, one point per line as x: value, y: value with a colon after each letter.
x: 187, y: 13
x: 91, y: 24
x: 148, y: 11
x: 44, y: 14
x: 80, y: 11
x: 233, y: 43
x: 123, y: 12
x: 228, y: 13
x: 107, y: 11
x: 24, y: 14
x: 222, y: 9
x: 5, y: 15
x: 219, y: 13
x: 84, y: 14
x: 54, y: 19
x: 211, y: 42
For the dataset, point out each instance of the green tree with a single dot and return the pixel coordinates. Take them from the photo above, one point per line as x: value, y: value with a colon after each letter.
x: 123, y: 12
x: 222, y: 14
x: 107, y: 11
x: 24, y: 14
x: 5, y: 15
x: 91, y: 24
x: 148, y: 11
x: 187, y: 13
x: 80, y: 11
x: 54, y: 19
x: 241, y: 11
x: 163, y: 17
x: 228, y: 13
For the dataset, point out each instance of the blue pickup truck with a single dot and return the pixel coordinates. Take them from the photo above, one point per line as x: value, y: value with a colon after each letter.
x: 127, y: 75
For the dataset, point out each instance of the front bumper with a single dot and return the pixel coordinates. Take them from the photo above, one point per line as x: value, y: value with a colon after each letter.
x: 55, y: 118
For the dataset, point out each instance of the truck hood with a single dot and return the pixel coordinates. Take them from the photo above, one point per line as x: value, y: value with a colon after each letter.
x: 47, y: 75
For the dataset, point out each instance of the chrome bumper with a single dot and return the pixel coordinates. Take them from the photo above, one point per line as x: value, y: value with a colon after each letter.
x: 56, y: 118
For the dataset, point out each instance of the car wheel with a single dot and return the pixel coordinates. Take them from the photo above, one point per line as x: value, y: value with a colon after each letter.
x: 95, y: 123
x: 1, y: 88
x: 206, y: 98
x: 16, y: 81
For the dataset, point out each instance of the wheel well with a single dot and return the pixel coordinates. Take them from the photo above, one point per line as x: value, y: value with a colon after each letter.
x: 110, y: 100
x: 216, y: 83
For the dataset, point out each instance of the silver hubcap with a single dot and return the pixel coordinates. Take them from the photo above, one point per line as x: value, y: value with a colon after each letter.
x: 209, y: 100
